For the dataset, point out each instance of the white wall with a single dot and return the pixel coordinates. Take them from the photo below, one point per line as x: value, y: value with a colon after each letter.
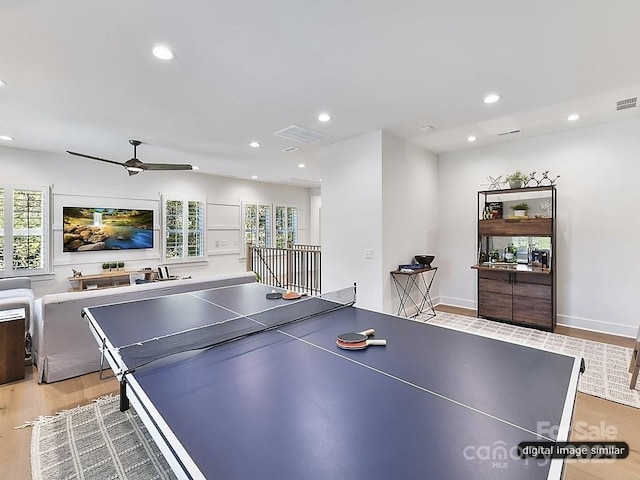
x: 315, y: 208
x: 82, y: 182
x: 352, y: 216
x: 596, y: 253
x: 379, y: 195
x: 409, y: 210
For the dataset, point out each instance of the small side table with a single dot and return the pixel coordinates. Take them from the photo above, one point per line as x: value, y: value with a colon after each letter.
x: 12, y: 345
x: 420, y: 281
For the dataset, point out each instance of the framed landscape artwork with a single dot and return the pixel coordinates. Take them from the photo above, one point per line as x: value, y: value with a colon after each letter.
x: 95, y: 229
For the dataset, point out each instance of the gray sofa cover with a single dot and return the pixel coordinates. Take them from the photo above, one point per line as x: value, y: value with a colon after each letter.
x: 63, y: 346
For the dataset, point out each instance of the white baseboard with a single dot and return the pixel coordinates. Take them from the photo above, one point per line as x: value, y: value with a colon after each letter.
x: 455, y: 302
x: 564, y: 320
x: 598, y: 326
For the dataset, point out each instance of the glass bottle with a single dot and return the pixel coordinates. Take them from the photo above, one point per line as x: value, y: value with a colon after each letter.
x: 510, y: 253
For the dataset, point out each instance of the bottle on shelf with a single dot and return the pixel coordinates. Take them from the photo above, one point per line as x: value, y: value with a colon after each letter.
x: 510, y: 253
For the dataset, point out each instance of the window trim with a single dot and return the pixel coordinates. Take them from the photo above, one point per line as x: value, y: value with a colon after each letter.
x: 243, y: 226
x: 275, y: 216
x: 185, y: 258
x: 8, y: 232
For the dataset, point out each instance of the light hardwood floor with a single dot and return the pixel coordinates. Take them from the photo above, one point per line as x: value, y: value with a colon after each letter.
x: 26, y: 400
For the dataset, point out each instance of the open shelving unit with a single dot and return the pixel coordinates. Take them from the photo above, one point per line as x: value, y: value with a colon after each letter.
x: 520, y: 289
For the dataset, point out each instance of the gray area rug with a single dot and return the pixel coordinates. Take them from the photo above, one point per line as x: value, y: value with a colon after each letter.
x: 606, y: 366
x: 95, y: 441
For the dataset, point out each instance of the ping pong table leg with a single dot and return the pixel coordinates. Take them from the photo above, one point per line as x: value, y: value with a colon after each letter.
x: 124, y: 401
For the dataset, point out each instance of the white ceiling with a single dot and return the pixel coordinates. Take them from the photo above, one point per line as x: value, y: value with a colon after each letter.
x: 80, y: 75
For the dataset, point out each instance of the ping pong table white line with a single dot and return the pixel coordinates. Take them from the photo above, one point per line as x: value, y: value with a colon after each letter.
x: 426, y: 390
x: 419, y: 387
x: 221, y: 322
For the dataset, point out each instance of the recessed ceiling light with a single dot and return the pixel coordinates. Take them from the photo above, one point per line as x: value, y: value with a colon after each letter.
x: 491, y: 98
x: 6, y: 138
x: 324, y: 117
x: 427, y: 128
x: 254, y: 176
x: 254, y: 144
x: 573, y: 117
x: 163, y: 52
x: 301, y: 165
x: 2, y: 83
x: 471, y: 138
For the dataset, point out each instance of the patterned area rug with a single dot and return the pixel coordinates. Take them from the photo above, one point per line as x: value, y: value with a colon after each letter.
x: 95, y: 441
x: 606, y: 366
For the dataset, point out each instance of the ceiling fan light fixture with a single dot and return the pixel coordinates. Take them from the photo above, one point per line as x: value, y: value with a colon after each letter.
x: 134, y: 169
x: 163, y: 52
x: 491, y: 98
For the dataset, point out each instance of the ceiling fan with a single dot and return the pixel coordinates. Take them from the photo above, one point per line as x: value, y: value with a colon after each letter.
x: 135, y: 166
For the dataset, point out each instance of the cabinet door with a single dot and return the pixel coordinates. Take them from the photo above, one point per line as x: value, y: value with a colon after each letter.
x: 494, y: 295
x: 532, y: 300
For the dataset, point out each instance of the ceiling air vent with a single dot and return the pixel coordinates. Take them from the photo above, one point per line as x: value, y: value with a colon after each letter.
x: 508, y: 133
x: 290, y: 149
x: 627, y: 103
x: 300, y: 134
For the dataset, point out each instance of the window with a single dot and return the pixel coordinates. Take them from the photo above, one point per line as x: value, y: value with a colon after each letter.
x: 257, y: 224
x: 24, y: 239
x: 286, y: 226
x: 184, y: 227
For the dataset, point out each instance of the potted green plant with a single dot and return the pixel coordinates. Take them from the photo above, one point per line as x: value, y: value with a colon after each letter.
x: 517, y: 179
x: 114, y: 266
x: 105, y: 266
x: 520, y: 210
x: 120, y: 265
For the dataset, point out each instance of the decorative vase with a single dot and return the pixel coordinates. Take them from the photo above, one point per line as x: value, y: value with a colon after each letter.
x: 520, y: 213
x: 515, y: 184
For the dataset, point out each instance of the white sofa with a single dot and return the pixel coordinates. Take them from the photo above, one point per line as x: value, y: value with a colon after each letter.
x: 63, y: 346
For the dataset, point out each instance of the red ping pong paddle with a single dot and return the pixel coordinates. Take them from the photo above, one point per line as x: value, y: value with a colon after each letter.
x: 359, y: 345
x: 292, y: 295
x: 353, y: 337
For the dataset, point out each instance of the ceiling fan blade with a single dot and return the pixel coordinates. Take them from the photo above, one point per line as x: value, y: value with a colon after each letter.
x: 95, y: 158
x: 135, y: 166
x: 165, y: 166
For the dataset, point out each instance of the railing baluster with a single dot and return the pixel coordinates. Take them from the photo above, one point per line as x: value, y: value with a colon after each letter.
x: 297, y: 266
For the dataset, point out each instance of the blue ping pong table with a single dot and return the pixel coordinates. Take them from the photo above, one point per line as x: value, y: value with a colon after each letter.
x: 286, y: 403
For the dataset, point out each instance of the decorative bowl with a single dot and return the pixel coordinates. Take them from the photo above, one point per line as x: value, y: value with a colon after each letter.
x: 425, y: 259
